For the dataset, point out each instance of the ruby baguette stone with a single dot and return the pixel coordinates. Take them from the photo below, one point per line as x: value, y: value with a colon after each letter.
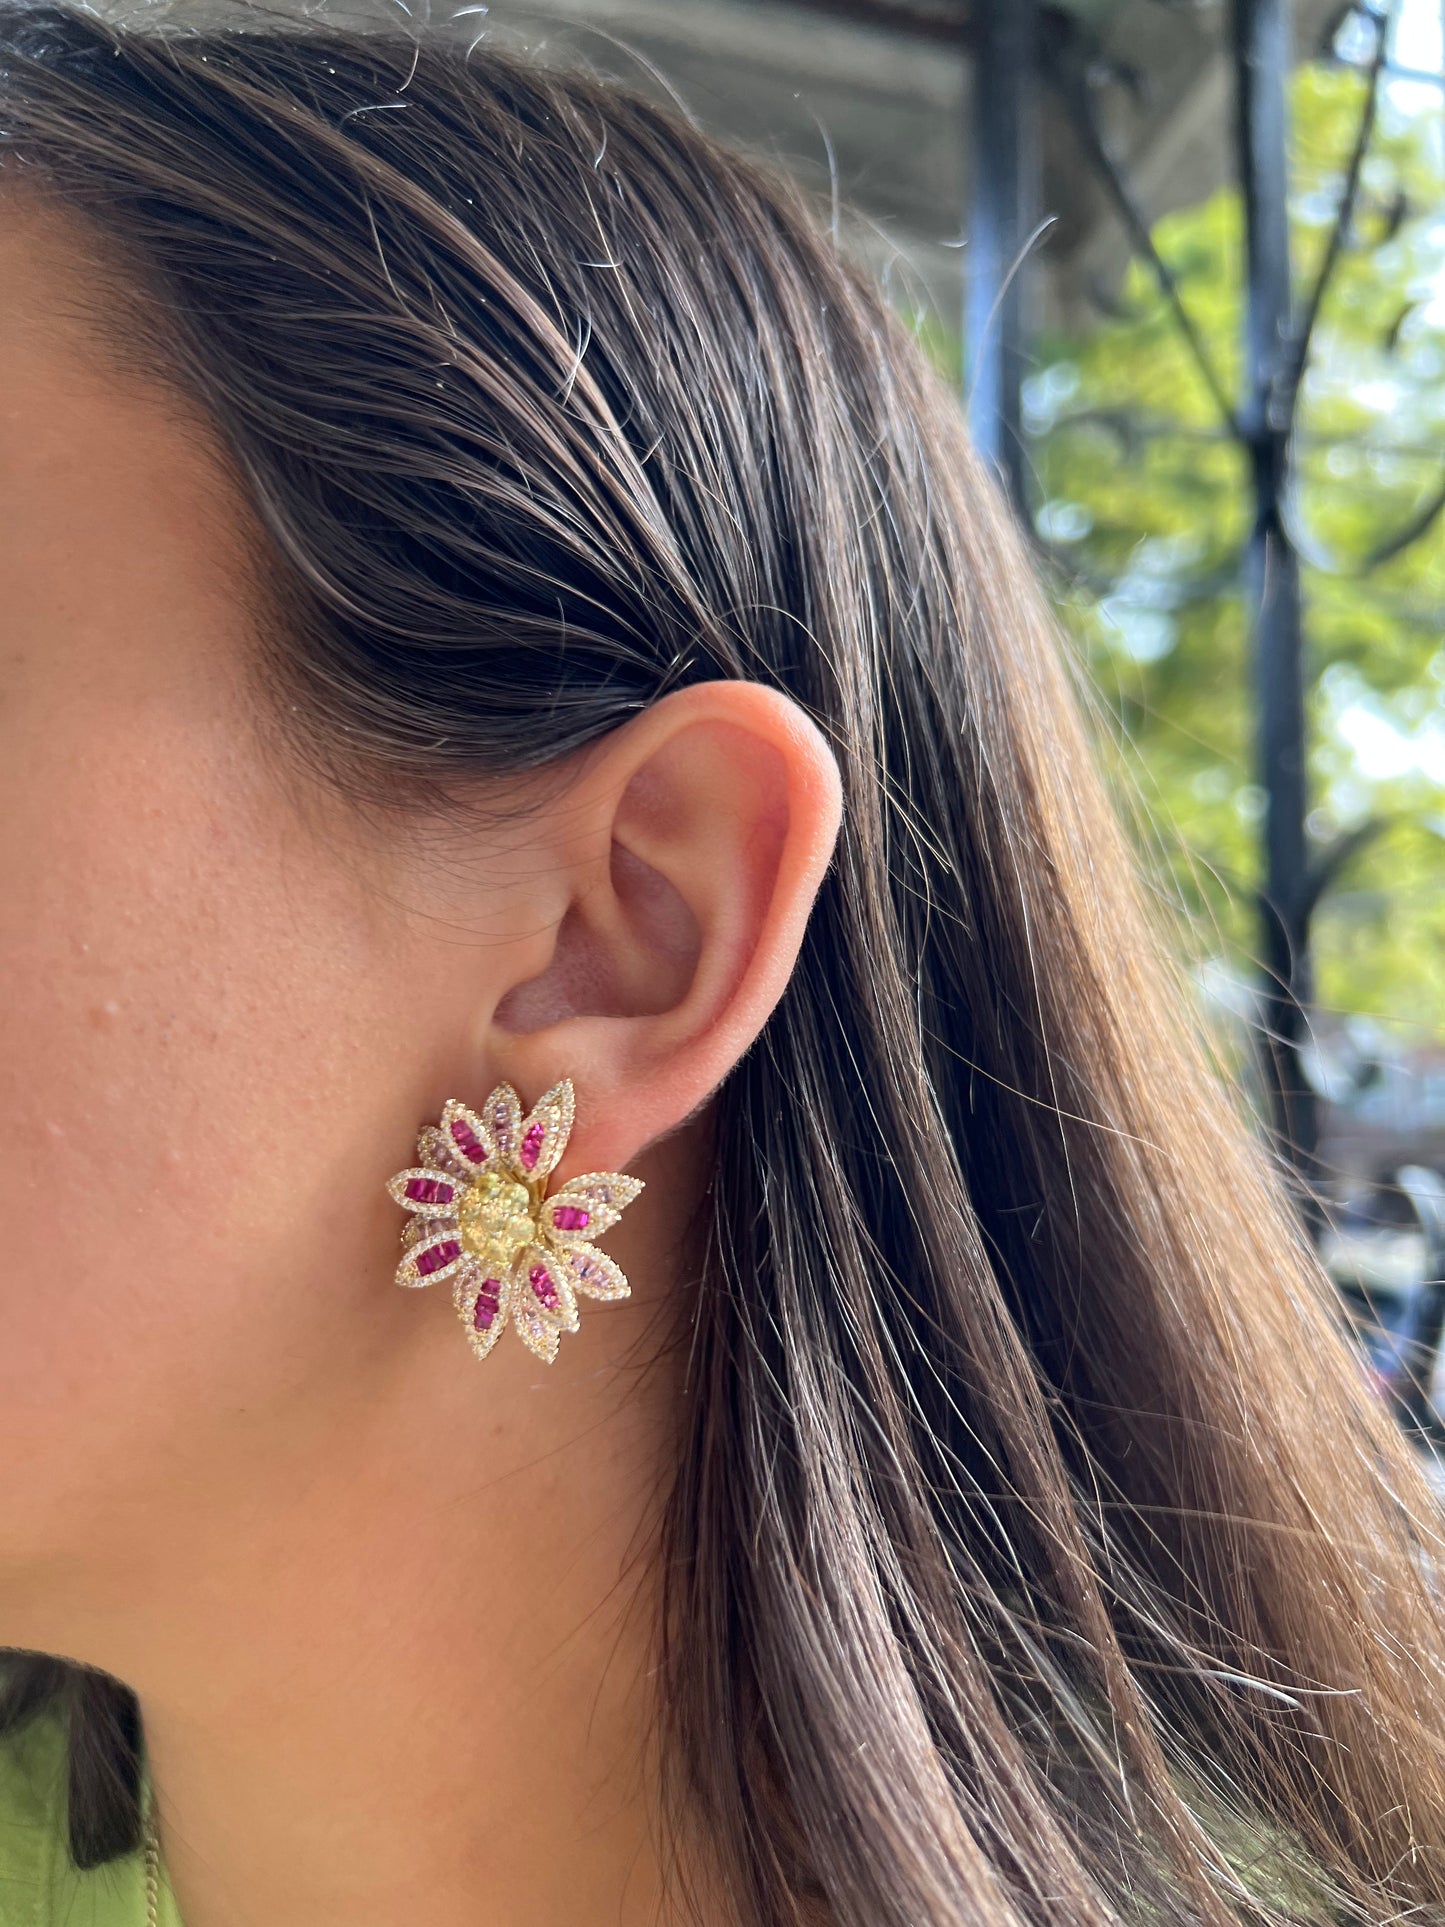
x: 541, y: 1282
x: 437, y: 1255
x: 468, y: 1141
x: 570, y: 1217
x: 430, y: 1191
x: 489, y: 1300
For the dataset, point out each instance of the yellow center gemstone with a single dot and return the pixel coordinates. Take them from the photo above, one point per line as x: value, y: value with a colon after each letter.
x: 496, y: 1221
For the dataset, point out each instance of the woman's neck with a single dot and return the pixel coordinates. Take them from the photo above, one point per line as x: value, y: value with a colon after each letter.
x: 421, y: 1693
x: 395, y: 1663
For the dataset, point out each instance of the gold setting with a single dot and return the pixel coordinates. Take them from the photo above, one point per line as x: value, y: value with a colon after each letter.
x: 482, y: 1217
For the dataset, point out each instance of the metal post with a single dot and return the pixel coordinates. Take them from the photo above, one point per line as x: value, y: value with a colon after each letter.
x: 1003, y: 200
x: 1262, y: 51
x: 1426, y: 1191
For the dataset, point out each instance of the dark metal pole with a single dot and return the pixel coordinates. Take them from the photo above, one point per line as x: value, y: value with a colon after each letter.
x: 1002, y: 211
x: 1426, y: 1191
x: 1262, y: 52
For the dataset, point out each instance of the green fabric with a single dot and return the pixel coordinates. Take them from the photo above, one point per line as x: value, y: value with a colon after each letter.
x: 39, y: 1887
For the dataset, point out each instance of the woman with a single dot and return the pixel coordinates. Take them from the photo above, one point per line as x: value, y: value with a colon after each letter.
x: 493, y: 605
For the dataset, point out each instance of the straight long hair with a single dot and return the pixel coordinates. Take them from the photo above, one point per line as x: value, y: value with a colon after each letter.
x: 1035, y: 1552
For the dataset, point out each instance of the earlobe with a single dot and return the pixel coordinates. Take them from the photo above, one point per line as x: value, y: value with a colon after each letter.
x: 696, y: 838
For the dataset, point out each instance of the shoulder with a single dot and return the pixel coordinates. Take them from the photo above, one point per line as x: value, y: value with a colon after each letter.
x: 39, y: 1885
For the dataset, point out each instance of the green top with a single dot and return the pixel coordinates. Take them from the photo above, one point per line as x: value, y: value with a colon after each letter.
x: 39, y: 1887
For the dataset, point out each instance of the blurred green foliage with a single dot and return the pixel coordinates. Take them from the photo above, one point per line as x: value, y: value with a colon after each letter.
x: 1142, y: 507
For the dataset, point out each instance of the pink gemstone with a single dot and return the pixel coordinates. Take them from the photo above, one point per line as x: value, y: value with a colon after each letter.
x: 532, y: 1146
x: 570, y: 1217
x: 541, y: 1282
x: 435, y: 1256
x: 430, y: 1191
x: 488, y: 1303
x: 468, y: 1141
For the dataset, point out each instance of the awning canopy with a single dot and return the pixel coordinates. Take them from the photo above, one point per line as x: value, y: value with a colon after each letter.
x: 875, y: 94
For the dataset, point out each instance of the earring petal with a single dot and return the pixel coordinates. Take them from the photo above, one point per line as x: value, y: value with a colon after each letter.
x: 433, y: 1258
x: 588, y: 1205
x: 503, y: 1114
x: 470, y: 1141
x: 431, y: 1193
x: 543, y: 1281
x: 439, y: 1153
x: 537, y: 1333
x: 595, y: 1273
x: 483, y: 1304
x: 543, y: 1134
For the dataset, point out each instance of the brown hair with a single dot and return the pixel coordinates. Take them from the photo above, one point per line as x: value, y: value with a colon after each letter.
x: 1035, y: 1551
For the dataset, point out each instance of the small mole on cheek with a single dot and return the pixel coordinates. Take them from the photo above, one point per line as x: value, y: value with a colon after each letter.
x: 104, y: 1015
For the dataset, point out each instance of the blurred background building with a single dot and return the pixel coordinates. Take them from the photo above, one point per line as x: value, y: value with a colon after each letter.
x: 878, y: 97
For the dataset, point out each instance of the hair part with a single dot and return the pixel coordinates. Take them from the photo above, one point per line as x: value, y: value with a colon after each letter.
x: 1035, y: 1551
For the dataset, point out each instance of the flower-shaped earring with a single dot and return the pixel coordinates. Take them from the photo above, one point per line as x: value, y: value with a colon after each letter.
x: 481, y: 1216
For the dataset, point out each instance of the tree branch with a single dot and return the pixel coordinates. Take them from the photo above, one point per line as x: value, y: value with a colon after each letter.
x: 1299, y: 351
x: 1402, y: 539
x: 1324, y: 872
x: 1073, y: 89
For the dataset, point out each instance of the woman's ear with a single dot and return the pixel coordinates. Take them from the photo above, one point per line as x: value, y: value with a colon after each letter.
x: 689, y: 850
